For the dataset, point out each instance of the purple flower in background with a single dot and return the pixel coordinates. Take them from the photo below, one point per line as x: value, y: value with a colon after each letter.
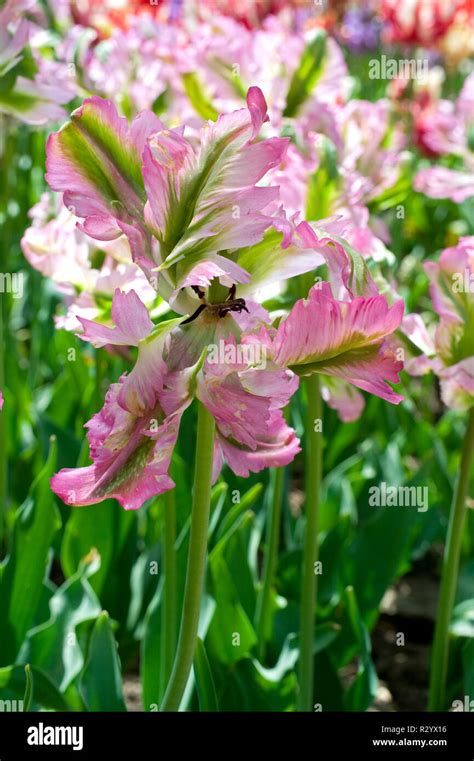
x: 360, y: 30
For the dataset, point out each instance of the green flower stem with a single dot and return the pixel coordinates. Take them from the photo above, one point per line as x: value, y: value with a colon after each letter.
x: 313, y: 475
x: 263, y: 610
x: 170, y: 612
x: 196, y: 567
x: 449, y: 575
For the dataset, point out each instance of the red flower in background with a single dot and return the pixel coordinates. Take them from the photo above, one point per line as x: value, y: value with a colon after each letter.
x: 249, y: 12
x: 104, y: 15
x: 422, y: 22
x: 423, y: 109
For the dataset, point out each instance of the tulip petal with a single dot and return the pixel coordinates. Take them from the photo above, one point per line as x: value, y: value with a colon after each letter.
x: 131, y: 318
x: 251, y: 432
x: 142, y: 387
x: 275, y: 448
x: 440, y: 182
x: 344, y: 339
x: 343, y: 398
x: 131, y: 457
x: 457, y: 385
x: 95, y: 159
x: 203, y: 201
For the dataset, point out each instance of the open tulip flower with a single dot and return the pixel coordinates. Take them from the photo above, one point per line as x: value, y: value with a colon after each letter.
x: 197, y: 224
x: 448, y: 132
x: 419, y: 22
x: 32, y: 89
x: 450, y: 354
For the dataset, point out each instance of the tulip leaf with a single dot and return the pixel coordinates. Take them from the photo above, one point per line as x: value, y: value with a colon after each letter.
x: 101, y: 679
x: 44, y: 695
x: 110, y: 531
x: 55, y: 646
x: 323, y: 184
x: 309, y: 71
x: 204, y: 681
x: 231, y: 635
x: 392, y: 532
x: 199, y: 100
x: 29, y: 687
x: 247, y: 501
x: 251, y: 687
x: 24, y: 570
x: 363, y: 689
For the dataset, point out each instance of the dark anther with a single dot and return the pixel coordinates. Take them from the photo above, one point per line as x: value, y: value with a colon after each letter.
x: 234, y: 305
x: 231, y: 304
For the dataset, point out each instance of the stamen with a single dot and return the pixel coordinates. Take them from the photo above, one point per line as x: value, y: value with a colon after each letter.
x: 195, y: 314
x: 231, y: 304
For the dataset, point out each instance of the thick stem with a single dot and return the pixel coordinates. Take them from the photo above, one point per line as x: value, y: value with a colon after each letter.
x: 313, y: 474
x: 170, y: 613
x: 449, y: 575
x: 196, y: 567
x: 263, y: 611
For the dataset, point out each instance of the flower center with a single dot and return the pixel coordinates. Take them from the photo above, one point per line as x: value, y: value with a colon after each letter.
x: 231, y: 304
